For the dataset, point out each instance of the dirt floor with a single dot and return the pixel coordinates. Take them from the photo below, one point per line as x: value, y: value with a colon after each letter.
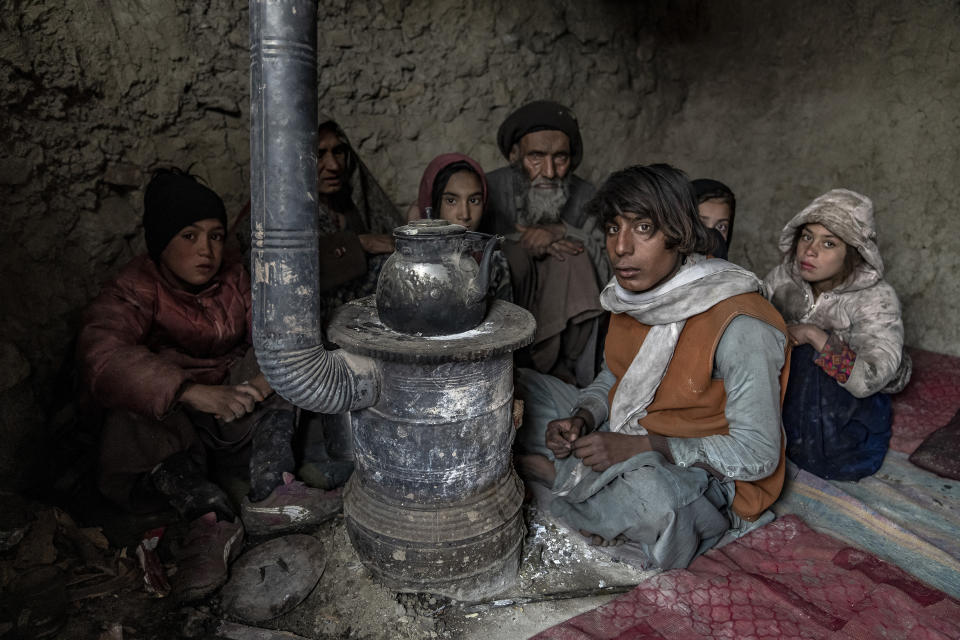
x: 66, y: 597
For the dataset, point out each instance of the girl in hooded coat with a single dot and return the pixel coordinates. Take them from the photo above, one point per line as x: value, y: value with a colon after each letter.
x: 845, y: 323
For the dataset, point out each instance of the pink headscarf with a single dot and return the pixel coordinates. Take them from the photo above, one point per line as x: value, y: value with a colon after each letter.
x: 436, y: 166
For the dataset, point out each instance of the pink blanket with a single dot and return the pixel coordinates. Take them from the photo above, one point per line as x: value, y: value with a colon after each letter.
x: 783, y: 580
x: 931, y: 398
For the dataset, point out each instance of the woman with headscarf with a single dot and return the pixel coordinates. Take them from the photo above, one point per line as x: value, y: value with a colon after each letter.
x: 454, y: 188
x: 355, y: 221
x: 844, y: 321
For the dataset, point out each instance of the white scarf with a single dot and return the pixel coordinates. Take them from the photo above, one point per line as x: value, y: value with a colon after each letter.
x: 698, y: 285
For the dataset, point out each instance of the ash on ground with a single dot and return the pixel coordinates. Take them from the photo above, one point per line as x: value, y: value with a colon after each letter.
x: 559, y: 576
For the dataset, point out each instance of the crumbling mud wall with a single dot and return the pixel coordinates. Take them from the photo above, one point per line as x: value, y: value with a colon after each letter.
x: 413, y: 80
x: 92, y: 97
x: 783, y: 102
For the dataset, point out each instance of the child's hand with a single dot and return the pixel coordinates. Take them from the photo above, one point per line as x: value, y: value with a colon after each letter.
x: 561, y: 434
x: 226, y: 402
x: 807, y: 334
x: 260, y: 384
x: 601, y: 450
x: 376, y: 243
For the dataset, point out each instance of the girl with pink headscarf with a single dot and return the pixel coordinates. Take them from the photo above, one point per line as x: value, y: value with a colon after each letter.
x: 454, y: 188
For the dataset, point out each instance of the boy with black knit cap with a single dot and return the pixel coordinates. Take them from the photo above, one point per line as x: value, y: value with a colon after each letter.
x: 166, y: 349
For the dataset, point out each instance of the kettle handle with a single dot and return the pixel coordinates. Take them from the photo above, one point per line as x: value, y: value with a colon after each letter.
x: 478, y: 286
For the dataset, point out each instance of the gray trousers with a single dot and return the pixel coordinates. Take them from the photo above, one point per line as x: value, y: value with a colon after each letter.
x: 671, y: 514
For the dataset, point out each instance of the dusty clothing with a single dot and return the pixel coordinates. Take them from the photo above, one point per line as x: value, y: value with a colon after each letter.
x: 671, y: 513
x: 830, y: 432
x: 562, y: 295
x: 132, y: 445
x: 672, y: 507
x: 691, y: 401
x: 143, y: 339
x: 862, y: 313
x: 705, y: 332
x: 507, y: 199
x: 564, y: 299
x: 836, y: 424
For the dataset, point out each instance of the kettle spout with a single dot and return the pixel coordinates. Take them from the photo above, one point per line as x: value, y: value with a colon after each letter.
x: 478, y: 286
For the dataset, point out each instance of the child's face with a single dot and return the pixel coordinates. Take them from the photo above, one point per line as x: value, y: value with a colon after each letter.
x: 820, y: 256
x: 462, y: 200
x: 194, y: 255
x: 715, y: 214
x: 639, y: 255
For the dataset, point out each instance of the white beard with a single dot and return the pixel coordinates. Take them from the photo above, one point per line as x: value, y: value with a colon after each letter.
x: 543, y: 206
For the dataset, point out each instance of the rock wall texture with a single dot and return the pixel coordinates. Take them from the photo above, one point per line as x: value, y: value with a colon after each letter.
x: 782, y: 102
x: 94, y: 96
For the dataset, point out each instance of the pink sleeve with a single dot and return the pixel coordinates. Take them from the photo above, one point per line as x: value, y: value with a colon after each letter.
x: 118, y: 367
x: 836, y: 359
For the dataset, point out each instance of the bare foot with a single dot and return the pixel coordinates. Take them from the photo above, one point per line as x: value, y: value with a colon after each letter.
x: 596, y: 541
x: 534, y: 466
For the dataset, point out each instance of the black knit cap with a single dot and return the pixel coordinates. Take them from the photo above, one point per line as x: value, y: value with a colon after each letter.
x: 541, y: 115
x: 173, y: 200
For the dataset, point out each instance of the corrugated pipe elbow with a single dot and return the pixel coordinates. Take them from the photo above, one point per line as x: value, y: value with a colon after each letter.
x: 321, y: 381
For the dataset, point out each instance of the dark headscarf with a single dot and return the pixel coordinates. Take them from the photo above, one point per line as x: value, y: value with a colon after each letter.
x: 361, y: 195
x: 707, y: 189
x: 173, y: 200
x: 438, y: 164
x: 343, y: 199
x: 541, y: 115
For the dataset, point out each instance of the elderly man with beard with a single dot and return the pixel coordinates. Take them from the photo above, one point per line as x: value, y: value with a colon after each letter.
x: 555, y: 249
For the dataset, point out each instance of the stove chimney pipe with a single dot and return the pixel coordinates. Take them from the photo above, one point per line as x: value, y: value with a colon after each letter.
x: 287, y: 334
x: 433, y: 504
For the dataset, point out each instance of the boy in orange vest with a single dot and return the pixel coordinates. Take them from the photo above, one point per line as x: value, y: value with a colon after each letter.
x: 679, y: 439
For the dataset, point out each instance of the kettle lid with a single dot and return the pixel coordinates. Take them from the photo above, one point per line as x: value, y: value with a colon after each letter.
x: 429, y: 228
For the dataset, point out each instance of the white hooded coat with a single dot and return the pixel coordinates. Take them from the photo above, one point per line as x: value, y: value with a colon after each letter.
x: 863, y: 311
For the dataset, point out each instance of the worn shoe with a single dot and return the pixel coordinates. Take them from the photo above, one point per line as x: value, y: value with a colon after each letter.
x: 270, y: 452
x: 289, y: 507
x: 204, y: 556
x: 326, y: 475
x: 183, y: 482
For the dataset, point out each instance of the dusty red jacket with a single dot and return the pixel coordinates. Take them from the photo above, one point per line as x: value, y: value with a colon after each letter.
x: 142, y: 339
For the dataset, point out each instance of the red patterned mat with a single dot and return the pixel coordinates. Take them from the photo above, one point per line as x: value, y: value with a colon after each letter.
x: 783, y: 580
x: 930, y: 400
